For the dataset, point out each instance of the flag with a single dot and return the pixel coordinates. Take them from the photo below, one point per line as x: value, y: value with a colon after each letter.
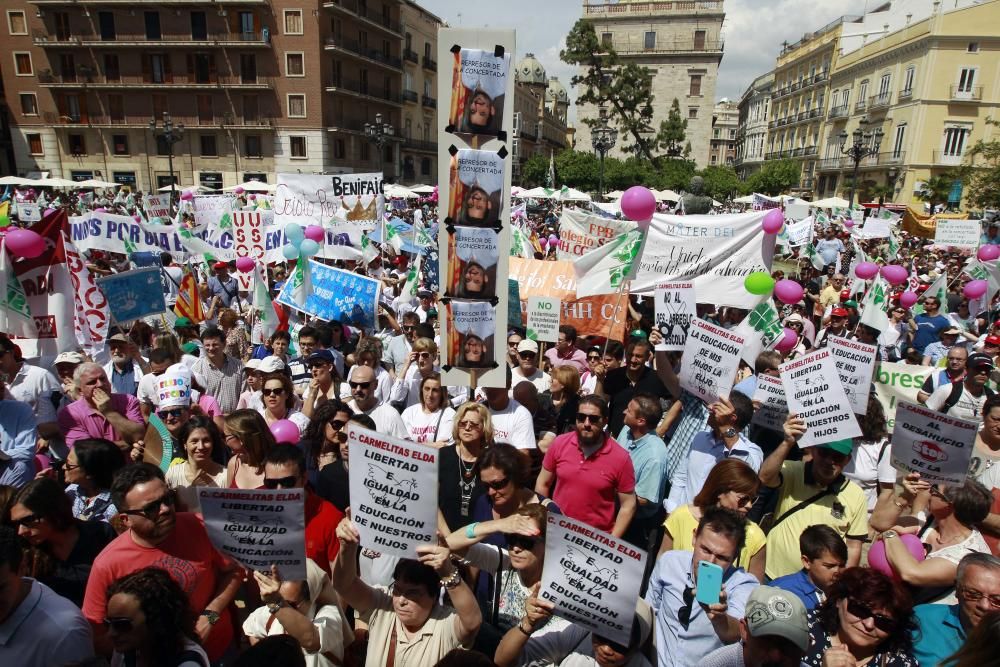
x: 92, y: 317
x: 939, y: 290
x: 412, y: 283
x: 813, y: 256
x: 550, y: 179
x: 5, y: 214
x: 15, y: 316
x: 393, y: 237
x: 761, y: 329
x: 875, y: 305
x: 520, y: 244
x: 893, y: 245
x: 368, y: 249
x: 189, y: 298
x: 301, y: 280
x: 267, y: 316
x: 605, y: 269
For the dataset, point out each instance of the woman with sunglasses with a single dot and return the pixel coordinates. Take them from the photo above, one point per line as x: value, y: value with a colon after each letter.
x: 321, y: 441
x: 63, y: 547
x: 795, y: 323
x: 458, y: 479
x: 733, y: 485
x: 333, y: 483
x: 588, y: 379
x: 248, y: 439
x: 431, y: 421
x: 564, y: 393
x: 89, y: 469
x: 278, y: 396
x: 199, y: 439
x: 150, y: 623
x: 867, y: 619
x: 420, y: 363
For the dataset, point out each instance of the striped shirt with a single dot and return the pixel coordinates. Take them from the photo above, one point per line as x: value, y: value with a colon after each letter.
x: 224, y: 384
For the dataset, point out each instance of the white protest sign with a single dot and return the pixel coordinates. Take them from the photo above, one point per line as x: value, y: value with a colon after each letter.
x: 958, y: 233
x: 581, y: 232
x: 675, y: 309
x: 329, y: 200
x: 773, y: 409
x: 710, y: 361
x: 29, y: 212
x: 814, y: 392
x: 258, y: 527
x: 543, y: 319
x: 799, y: 233
x: 797, y: 210
x: 856, y: 364
x: 210, y: 209
x: 858, y: 214
x: 248, y: 241
x: 896, y: 383
x: 156, y: 206
x: 591, y: 577
x: 393, y: 490
x: 937, y: 446
x: 876, y: 228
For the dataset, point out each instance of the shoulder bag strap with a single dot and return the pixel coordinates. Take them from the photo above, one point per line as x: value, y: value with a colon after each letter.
x: 391, y: 658
x: 497, y: 583
x: 437, y: 426
x: 806, y: 503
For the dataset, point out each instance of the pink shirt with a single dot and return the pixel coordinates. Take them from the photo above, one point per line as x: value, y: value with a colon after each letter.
x: 587, y: 488
x: 79, y: 421
x: 577, y: 358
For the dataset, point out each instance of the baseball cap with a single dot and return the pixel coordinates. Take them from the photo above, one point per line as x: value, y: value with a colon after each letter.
x: 119, y: 338
x: 325, y: 356
x: 774, y: 612
x: 838, y: 312
x: 845, y: 294
x: 993, y: 341
x: 979, y: 359
x: 271, y: 364
x: 182, y: 323
x: 951, y: 331
x: 794, y: 317
x: 220, y: 265
x: 77, y: 358
x: 252, y: 365
x: 527, y: 345
x: 425, y: 294
x: 850, y: 303
x: 845, y: 446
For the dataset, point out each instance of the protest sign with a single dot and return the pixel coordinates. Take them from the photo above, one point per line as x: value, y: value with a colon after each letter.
x: 773, y: 409
x: 352, y: 203
x: 470, y: 335
x: 248, y: 241
x: 800, y: 233
x: 213, y: 209
x: 336, y: 295
x: 394, y: 489
x: 476, y: 188
x: 814, y: 392
x: 958, y: 233
x: 543, y: 319
x: 895, y: 383
x: 258, y: 527
x: 876, y: 228
x: 581, y: 232
x: 29, y: 212
x: 472, y: 263
x: 855, y: 362
x: 133, y: 294
x: 675, y: 308
x: 710, y: 361
x: 937, y: 446
x: 591, y: 577
x: 156, y: 206
x: 479, y: 84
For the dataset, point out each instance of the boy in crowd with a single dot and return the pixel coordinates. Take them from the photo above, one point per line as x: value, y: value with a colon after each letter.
x: 824, y: 555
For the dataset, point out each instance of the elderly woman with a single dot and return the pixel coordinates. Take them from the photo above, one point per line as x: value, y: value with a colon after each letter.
x: 199, y: 439
x: 90, y: 467
x: 867, y: 619
x: 458, y: 478
x: 248, y: 438
x: 420, y: 363
x: 430, y: 421
x: 278, y: 396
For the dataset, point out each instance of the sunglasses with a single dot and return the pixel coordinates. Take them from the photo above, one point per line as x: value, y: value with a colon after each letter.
x: 863, y: 611
x: 684, y: 613
x: 746, y: 501
x: 359, y: 385
x: 470, y: 426
x: 527, y: 355
x: 408, y: 327
x: 165, y: 414
x: 337, y: 424
x: 119, y: 625
x: 319, y: 365
x: 424, y: 355
x: 582, y: 417
x: 273, y: 392
x: 152, y: 510
x: 593, y: 357
x: 513, y: 343
x: 522, y: 542
x: 24, y: 521
x: 498, y: 485
x: 282, y: 482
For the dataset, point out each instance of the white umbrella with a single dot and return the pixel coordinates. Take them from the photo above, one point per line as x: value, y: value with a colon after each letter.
x: 97, y: 183
x: 55, y: 183
x: 666, y: 195
x: 399, y: 192
x: 179, y: 188
x: 16, y: 180
x: 617, y: 194
x: 831, y: 202
x: 744, y: 200
x: 539, y: 193
x: 253, y: 186
x: 424, y: 189
x: 569, y: 194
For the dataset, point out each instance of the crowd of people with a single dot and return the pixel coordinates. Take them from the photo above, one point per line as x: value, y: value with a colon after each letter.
x: 104, y: 557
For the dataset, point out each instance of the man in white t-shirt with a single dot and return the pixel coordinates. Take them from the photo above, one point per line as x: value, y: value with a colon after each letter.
x: 172, y: 275
x: 512, y: 422
x: 527, y: 366
x: 365, y: 400
x: 967, y: 403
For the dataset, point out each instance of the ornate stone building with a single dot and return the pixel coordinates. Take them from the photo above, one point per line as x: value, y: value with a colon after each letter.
x: 541, y: 105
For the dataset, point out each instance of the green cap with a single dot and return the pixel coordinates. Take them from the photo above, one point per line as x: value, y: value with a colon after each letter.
x: 190, y: 347
x: 845, y: 446
x: 638, y: 333
x: 182, y: 322
x: 851, y: 304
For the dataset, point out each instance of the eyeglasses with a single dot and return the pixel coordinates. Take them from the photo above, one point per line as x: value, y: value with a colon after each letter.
x: 69, y: 466
x: 119, y: 625
x: 318, y: 366
x: 684, y: 613
x: 165, y: 414
x: 359, y: 385
x: 862, y: 611
x: 582, y: 417
x: 513, y: 343
x: 522, y: 542
x: 527, y: 355
x: 469, y: 425
x: 496, y: 485
x: 273, y: 392
x: 24, y: 521
x: 152, y: 510
x: 972, y: 595
x: 282, y: 482
x: 746, y: 501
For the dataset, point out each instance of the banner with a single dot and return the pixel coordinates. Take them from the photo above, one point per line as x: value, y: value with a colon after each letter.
x: 248, y: 241
x: 133, y: 294
x: 773, y: 408
x: 394, y: 489
x: 855, y: 363
x: 91, y: 319
x: 675, y: 309
x: 895, y: 383
x: 29, y: 212
x: 591, y: 577
x: 213, y: 210
x: 800, y: 233
x: 258, y: 527
x: 710, y: 361
x: 958, y: 233
x: 937, y: 446
x: 813, y: 391
x: 336, y: 295
x: 580, y: 232
x: 592, y: 316
x: 350, y: 203
x: 113, y: 233
x: 543, y: 319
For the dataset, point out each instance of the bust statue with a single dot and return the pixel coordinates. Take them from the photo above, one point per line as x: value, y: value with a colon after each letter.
x: 694, y: 202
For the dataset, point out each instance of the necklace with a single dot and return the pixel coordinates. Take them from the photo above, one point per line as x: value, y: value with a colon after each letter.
x: 466, y: 481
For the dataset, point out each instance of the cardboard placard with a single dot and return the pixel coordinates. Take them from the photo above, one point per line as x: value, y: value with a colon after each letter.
x: 675, y: 309
x: 856, y: 363
x: 336, y: 295
x: 958, y: 233
x: 814, y: 392
x: 773, y: 408
x: 543, y: 319
x: 710, y: 361
x: 937, y: 446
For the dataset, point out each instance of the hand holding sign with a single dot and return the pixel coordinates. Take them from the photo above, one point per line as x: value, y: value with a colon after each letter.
x: 269, y: 585
x: 794, y: 428
x: 536, y: 610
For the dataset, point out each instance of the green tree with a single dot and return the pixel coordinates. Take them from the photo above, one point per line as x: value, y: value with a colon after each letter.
x: 534, y: 171
x: 775, y: 177
x: 983, y: 172
x: 579, y: 169
x: 721, y: 182
x: 936, y: 189
x: 673, y: 131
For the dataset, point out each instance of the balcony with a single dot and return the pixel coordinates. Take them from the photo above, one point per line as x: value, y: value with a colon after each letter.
x: 869, y: 162
x: 664, y: 46
x: 360, y: 11
x: 945, y: 158
x: 352, y: 47
x: 905, y: 94
x: 880, y: 101
x: 838, y: 112
x: 56, y: 81
x: 141, y: 122
x: 411, y: 56
x: 966, y: 94
x: 831, y: 164
x: 429, y: 102
x: 137, y: 40
x: 355, y: 88
x: 430, y: 63
x: 859, y: 106
x: 62, y: 3
x: 411, y: 96
x: 420, y: 146
x: 633, y: 8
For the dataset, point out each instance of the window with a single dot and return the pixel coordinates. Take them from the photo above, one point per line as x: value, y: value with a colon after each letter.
x: 897, y: 142
x: 34, y: 143
x: 158, y: 68
x: 716, y: 133
x: 116, y: 108
x: 954, y: 141
x: 296, y: 106
x: 162, y: 147
x: 152, y: 20
x: 699, y: 40
x: 293, y: 21
x: 199, y: 26
x: 908, y: 81
x: 973, y: 47
x: 408, y: 41
x: 106, y: 20
x: 16, y: 23
x: 77, y: 145
x: 111, y: 70
x: 210, y: 179
x: 715, y: 159
x: 425, y: 166
x: 883, y: 86
x: 339, y: 151
x: 649, y: 40
x: 366, y: 153
x: 298, y: 146
x: 295, y: 64
x: 29, y: 104
x: 606, y: 40
x: 159, y: 106
x: 208, y: 146
x: 965, y: 79
x: 248, y: 68
x: 251, y: 146
x: 862, y: 93
x: 206, y: 112
x: 693, y: 112
x: 61, y: 21
x: 119, y: 144
x: 22, y: 64
x: 251, y: 110
x: 732, y: 134
x: 694, y: 89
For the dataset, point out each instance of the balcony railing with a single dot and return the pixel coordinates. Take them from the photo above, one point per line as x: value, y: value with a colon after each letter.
x: 411, y: 96
x: 966, y: 94
x: 905, y: 94
x: 838, y: 112
x: 142, y: 121
x: 352, y: 46
x: 361, y: 11
x: 356, y: 88
x: 411, y: 55
x: 879, y: 101
x: 859, y: 105
x: 421, y: 146
x: 946, y: 158
x: 429, y: 63
x: 653, y: 7
x: 92, y: 40
x: 49, y: 80
x: 869, y: 162
x: 673, y: 46
x: 429, y: 102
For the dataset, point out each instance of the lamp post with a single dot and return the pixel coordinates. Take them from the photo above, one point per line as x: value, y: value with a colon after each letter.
x: 890, y: 180
x: 379, y: 133
x: 171, y: 135
x: 865, y: 143
x: 603, y: 139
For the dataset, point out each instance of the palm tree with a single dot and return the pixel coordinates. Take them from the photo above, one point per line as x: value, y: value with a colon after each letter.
x: 936, y: 190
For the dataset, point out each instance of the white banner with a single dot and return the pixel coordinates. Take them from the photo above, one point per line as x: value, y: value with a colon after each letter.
x: 591, y: 577
x: 813, y: 392
x: 675, y: 309
x: 895, y: 383
x: 710, y: 361
x: 248, y: 241
x: 937, y: 446
x: 210, y: 209
x: 875, y: 228
x: 394, y: 489
x: 773, y: 409
x: 352, y: 203
x: 113, y: 233
x: 580, y: 232
x: 543, y: 319
x: 855, y: 362
x: 958, y: 233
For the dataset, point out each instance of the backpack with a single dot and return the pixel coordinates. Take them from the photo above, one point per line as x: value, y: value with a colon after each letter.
x: 956, y: 394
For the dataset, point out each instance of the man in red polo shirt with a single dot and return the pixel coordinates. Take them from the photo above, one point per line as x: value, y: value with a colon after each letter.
x: 594, y: 472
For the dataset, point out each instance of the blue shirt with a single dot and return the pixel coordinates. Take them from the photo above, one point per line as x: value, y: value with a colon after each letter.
x: 939, y: 633
x: 800, y: 584
x: 124, y: 382
x: 677, y: 646
x: 929, y: 328
x: 18, y: 434
x: 828, y: 249
x: 706, y: 451
x: 649, y: 459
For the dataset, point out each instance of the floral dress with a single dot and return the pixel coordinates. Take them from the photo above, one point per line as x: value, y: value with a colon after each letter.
x: 819, y: 641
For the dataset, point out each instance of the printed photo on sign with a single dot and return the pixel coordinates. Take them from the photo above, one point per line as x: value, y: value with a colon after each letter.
x: 814, y: 392
x: 479, y: 83
x: 937, y: 446
x: 476, y: 188
x: 472, y: 263
x: 675, y: 308
x: 471, y: 328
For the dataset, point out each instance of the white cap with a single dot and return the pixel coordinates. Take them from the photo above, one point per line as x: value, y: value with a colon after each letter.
x: 271, y: 364
x: 173, y: 388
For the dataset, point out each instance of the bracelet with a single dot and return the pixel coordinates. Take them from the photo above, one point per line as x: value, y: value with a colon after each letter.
x: 453, y: 580
x: 901, y: 505
x: 470, y: 530
x: 455, y: 558
x: 520, y: 626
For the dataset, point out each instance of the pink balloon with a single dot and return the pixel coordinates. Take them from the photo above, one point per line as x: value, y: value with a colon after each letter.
x: 315, y: 232
x: 245, y: 264
x: 638, y: 203
x: 252, y: 197
x: 866, y: 270
x: 988, y: 253
x: 137, y: 218
x: 24, y: 243
x: 975, y: 289
x: 788, y: 291
x: 907, y: 299
x: 878, y: 561
x: 895, y: 274
x: 239, y: 190
x: 101, y: 210
x: 788, y: 341
x: 848, y: 223
x: 187, y: 196
x: 544, y: 242
x: 285, y: 430
x: 553, y: 239
x: 773, y: 220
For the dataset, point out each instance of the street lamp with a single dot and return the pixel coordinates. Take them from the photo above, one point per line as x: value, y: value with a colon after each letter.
x: 890, y: 180
x: 603, y: 139
x: 171, y: 135
x: 379, y: 133
x: 865, y: 143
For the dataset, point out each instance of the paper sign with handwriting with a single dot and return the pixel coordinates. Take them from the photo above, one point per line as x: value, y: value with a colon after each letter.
x: 814, y: 392
x: 856, y: 364
x: 711, y: 359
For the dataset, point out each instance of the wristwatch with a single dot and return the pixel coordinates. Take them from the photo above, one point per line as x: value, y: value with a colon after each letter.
x: 888, y: 534
x: 273, y: 607
x: 212, y: 616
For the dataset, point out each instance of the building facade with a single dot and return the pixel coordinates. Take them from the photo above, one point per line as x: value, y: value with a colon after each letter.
x: 681, y: 43
x: 725, y: 123
x: 541, y: 107
x: 751, y: 132
x: 420, y: 112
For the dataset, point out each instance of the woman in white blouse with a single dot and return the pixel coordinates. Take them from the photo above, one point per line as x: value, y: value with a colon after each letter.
x: 199, y: 438
x: 430, y: 421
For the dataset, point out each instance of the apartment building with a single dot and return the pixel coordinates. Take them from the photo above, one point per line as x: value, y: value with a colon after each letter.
x: 725, y: 123
x: 420, y: 112
x: 751, y: 131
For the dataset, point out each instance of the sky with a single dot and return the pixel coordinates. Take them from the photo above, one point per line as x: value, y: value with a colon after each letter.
x: 753, y: 30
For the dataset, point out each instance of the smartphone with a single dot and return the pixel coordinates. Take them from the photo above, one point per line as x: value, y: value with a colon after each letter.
x: 709, y: 582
